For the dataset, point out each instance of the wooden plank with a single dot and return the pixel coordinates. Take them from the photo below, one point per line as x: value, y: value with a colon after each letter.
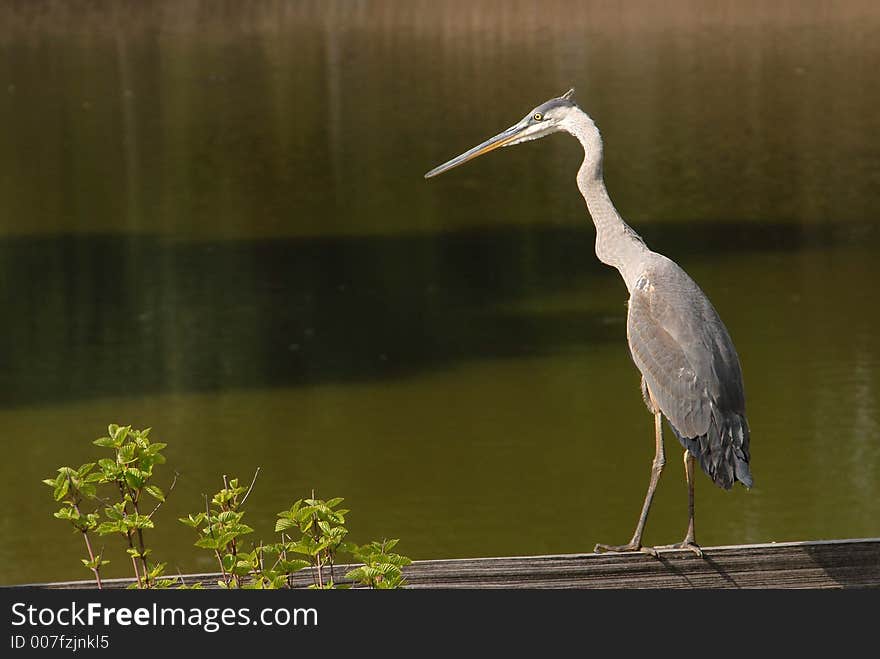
x: 851, y: 563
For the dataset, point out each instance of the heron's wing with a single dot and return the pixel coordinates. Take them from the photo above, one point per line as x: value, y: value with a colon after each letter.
x: 663, y: 342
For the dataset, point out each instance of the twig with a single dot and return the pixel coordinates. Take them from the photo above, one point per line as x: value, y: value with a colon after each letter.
x: 248, y: 493
x: 318, y: 556
x: 141, y: 545
x: 170, y: 490
x: 232, y: 544
x: 134, y: 564
x: 208, y: 516
x: 211, y: 532
x: 89, y: 547
x: 137, y: 573
x: 121, y: 486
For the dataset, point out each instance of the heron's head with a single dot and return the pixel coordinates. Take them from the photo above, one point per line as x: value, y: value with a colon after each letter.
x: 547, y: 118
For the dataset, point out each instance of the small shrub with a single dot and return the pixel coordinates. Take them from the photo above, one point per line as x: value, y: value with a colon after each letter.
x: 114, y: 493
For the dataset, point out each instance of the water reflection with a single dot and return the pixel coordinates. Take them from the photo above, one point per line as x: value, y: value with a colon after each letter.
x: 109, y: 315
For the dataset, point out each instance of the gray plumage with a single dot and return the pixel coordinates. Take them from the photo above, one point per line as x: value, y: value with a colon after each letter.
x: 690, y: 369
x: 689, y: 364
x: 675, y: 336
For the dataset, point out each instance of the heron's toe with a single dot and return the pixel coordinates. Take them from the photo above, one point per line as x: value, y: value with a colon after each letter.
x: 687, y: 544
x: 601, y: 548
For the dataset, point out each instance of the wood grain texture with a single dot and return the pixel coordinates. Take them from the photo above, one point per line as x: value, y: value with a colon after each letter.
x: 816, y: 564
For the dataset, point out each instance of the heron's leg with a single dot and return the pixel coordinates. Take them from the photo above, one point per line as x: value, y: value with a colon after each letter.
x: 656, y: 470
x: 689, y: 541
x: 689, y: 474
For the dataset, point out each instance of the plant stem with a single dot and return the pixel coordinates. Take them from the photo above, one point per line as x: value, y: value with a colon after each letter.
x: 248, y: 493
x: 89, y: 547
x: 140, y: 534
x: 170, y: 490
x: 284, y: 554
x: 134, y: 564
x: 211, y: 531
x: 121, y: 486
x: 222, y: 569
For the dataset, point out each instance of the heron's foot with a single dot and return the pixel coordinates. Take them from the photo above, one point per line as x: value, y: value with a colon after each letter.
x: 632, y: 546
x: 684, y: 544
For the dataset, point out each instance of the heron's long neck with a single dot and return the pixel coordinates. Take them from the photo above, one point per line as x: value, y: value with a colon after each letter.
x: 616, y: 242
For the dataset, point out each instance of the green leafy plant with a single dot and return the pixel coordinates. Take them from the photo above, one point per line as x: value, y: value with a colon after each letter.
x: 312, y: 535
x: 127, y: 475
x: 71, y: 487
x: 117, y: 496
x: 381, y: 568
x: 321, y: 532
x: 221, y: 528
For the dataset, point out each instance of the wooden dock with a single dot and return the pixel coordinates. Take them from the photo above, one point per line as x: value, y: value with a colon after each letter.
x: 816, y: 564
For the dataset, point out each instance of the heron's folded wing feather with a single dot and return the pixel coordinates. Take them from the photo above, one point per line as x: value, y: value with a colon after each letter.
x: 671, y: 373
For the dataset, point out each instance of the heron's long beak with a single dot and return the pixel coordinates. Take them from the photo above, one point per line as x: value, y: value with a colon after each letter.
x: 491, y: 144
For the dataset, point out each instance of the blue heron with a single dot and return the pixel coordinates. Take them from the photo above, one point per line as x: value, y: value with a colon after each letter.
x: 691, y: 372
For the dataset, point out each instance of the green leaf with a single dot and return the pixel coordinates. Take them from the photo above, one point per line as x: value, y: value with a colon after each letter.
x: 119, y: 433
x: 285, y: 525
x: 155, y: 491
x: 134, y: 479
x: 305, y: 546
x: 224, y: 539
x: 294, y: 565
x: 61, y: 489
x: 192, y: 521
x: 155, y: 459
x: 104, y: 442
x: 207, y: 543
x: 105, y: 528
x: 357, y: 574
x: 109, y: 467
x: 229, y: 517
x: 136, y: 521
x: 127, y: 453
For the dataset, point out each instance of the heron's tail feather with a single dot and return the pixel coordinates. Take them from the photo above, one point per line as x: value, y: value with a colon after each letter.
x: 723, y: 452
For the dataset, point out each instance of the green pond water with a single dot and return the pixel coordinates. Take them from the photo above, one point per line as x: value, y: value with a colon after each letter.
x: 214, y: 222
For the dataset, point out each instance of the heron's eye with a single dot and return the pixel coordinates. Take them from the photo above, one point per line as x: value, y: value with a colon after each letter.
x: 537, y: 116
